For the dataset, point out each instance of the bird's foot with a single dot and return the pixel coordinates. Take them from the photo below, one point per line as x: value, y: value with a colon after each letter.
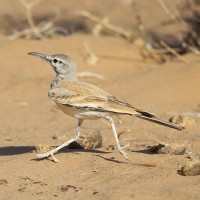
x: 121, y: 150
x: 47, y: 154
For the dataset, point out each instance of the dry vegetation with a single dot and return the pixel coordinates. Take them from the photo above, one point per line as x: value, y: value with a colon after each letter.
x: 151, y: 45
x: 152, y: 67
x: 44, y: 29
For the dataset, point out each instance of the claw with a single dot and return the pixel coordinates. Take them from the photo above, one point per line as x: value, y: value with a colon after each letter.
x: 46, y: 155
x: 125, y: 146
x: 43, y: 155
x: 120, y: 149
x: 55, y: 159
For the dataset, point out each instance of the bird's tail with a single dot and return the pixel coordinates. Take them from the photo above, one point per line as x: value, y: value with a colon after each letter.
x: 149, y: 117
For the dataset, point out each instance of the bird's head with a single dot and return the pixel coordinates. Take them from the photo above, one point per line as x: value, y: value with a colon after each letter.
x: 62, y: 64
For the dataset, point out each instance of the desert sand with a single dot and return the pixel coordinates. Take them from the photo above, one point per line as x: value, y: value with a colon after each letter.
x: 30, y: 118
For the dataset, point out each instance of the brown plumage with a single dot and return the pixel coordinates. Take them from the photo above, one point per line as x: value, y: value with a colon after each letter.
x: 85, y: 97
x: 85, y: 101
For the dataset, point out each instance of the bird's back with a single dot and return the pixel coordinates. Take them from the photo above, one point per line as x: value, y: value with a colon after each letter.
x: 84, y: 95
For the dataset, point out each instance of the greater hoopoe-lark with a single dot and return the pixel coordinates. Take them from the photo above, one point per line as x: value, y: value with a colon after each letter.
x: 85, y: 101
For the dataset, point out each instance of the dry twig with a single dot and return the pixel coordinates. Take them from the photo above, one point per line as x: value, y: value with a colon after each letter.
x: 173, y: 16
x: 91, y: 74
x: 29, y: 7
x: 147, y: 49
x: 91, y: 58
x: 104, y: 23
x: 174, y: 52
x: 39, y: 31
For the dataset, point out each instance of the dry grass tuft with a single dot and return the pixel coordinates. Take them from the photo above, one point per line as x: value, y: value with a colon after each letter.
x: 44, y: 29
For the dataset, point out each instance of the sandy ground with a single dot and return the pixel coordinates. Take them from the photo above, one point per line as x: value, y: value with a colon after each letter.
x: 29, y: 118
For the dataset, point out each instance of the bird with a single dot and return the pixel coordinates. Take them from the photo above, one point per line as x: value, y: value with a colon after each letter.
x: 85, y: 101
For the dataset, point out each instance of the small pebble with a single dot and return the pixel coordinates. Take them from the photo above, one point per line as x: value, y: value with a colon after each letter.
x: 190, y: 169
x: 43, y: 148
x: 168, y: 148
x: 3, y: 181
x: 182, y: 120
x: 110, y: 147
x: 88, y: 141
x: 64, y: 188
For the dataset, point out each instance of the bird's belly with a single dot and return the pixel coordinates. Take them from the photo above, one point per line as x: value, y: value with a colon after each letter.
x: 81, y: 114
x: 67, y: 110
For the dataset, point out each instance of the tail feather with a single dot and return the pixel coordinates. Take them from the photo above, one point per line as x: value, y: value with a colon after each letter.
x: 152, y: 118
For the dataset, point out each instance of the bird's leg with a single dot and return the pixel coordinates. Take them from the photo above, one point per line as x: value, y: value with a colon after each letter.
x: 51, y: 153
x: 119, y: 147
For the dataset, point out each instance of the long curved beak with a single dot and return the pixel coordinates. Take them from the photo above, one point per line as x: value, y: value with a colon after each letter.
x: 42, y: 56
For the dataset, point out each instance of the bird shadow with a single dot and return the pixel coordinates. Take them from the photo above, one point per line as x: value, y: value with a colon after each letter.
x: 15, y: 150
x: 128, y: 162
x: 77, y: 150
x: 72, y: 150
x: 144, y: 151
x: 111, y: 159
x: 150, y: 149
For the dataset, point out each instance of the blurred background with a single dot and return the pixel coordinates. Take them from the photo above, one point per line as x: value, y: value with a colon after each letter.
x: 144, y: 52
x: 172, y: 22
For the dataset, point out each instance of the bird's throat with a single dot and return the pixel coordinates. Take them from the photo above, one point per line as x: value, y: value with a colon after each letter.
x: 62, y: 77
x: 56, y: 80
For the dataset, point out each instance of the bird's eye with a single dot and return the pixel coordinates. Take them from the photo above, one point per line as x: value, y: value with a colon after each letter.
x: 60, y: 62
x: 55, y: 60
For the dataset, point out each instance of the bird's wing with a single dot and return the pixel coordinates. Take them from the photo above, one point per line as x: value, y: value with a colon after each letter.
x: 89, y: 97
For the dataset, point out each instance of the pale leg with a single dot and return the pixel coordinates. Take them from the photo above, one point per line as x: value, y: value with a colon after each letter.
x: 51, y: 153
x: 119, y: 147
